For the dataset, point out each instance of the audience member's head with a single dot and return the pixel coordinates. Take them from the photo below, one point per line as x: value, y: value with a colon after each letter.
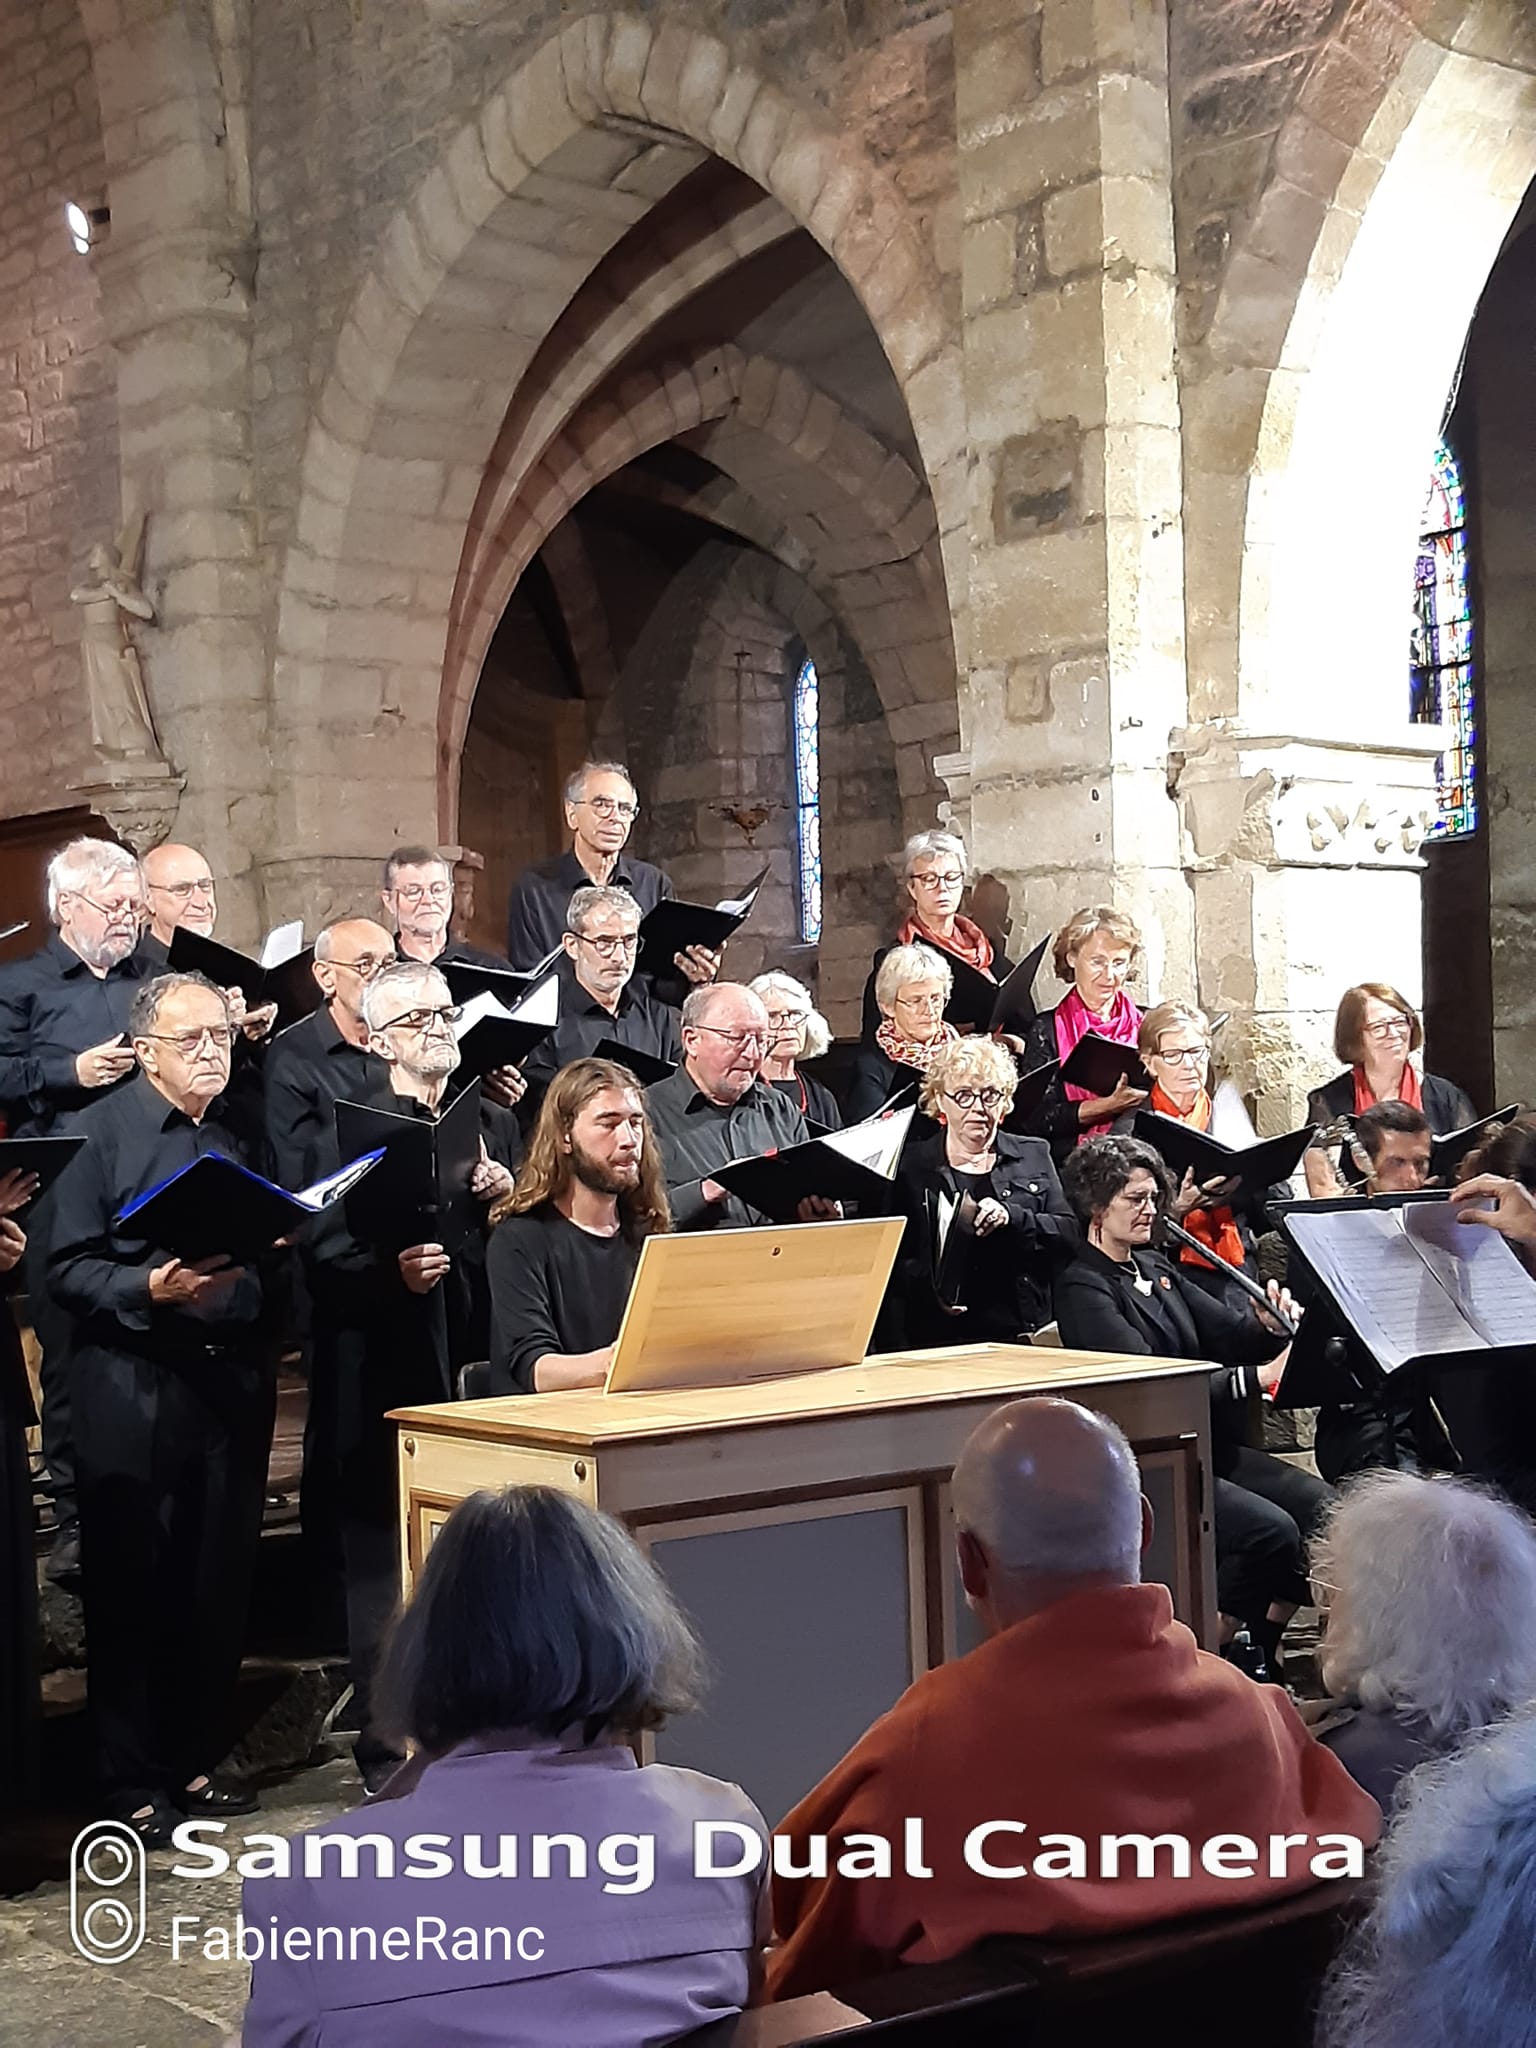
x: 796, y: 1029
x: 602, y: 938
x: 179, y: 890
x: 1096, y: 950
x: 725, y: 1040
x: 1174, y: 1041
x: 1431, y: 1601
x: 1392, y: 1144
x: 934, y: 870
x: 1047, y: 1502
x: 348, y: 954
x: 969, y: 1084
x: 1508, y: 1150
x: 410, y: 1017
x: 1443, y: 1959
x: 600, y: 810
x: 536, y: 1613
x: 912, y: 987
x: 180, y: 1027
x: 1375, y: 1025
x: 593, y: 1128
x: 417, y: 895
x: 96, y: 899
x: 1118, y: 1187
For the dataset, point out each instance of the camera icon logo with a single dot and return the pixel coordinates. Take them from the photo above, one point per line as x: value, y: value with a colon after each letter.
x: 106, y: 1892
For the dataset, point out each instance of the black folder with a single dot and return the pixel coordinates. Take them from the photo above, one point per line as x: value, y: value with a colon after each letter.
x: 952, y: 1259
x: 973, y: 996
x: 1097, y: 1063
x: 1014, y: 1008
x: 467, y: 979
x: 673, y: 926
x: 419, y: 1193
x: 46, y: 1157
x: 1446, y: 1153
x: 1028, y: 1096
x: 776, y: 1183
x: 495, y: 1040
x: 290, y: 985
x: 645, y: 1066
x: 1254, y: 1167
x: 216, y: 1206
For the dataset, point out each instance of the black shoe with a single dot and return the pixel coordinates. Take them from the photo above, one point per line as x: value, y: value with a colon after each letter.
x: 152, y: 1828
x: 217, y: 1801
x: 63, y: 1563
x: 1246, y: 1654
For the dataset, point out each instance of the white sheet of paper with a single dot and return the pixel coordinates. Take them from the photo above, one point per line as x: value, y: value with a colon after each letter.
x: 1479, y: 1269
x: 321, y: 1193
x: 282, y: 942
x: 477, y: 1009
x: 1231, y: 1124
x: 875, y: 1143
x: 1391, y: 1293
x: 541, y: 1005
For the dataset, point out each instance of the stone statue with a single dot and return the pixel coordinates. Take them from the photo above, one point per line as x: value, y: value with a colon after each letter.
x: 121, y: 724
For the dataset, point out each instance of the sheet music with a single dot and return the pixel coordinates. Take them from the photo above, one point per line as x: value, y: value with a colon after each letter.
x: 541, y: 1005
x: 875, y: 1143
x: 1479, y: 1270
x: 282, y: 942
x: 1387, y: 1290
x: 322, y: 1192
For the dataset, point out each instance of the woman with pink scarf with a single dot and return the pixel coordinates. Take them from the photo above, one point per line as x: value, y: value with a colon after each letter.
x: 1095, y: 951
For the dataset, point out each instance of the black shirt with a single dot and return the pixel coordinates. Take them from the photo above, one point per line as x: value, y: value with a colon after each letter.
x: 639, y: 1021
x: 697, y: 1136
x: 554, y: 1287
x: 542, y: 894
x: 310, y: 1067
x: 814, y: 1099
x: 52, y: 1008
x: 458, y: 951
x: 1446, y: 1109
x: 101, y: 1273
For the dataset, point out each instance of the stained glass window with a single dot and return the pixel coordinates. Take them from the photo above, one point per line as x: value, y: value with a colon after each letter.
x: 808, y: 798
x: 1441, y: 658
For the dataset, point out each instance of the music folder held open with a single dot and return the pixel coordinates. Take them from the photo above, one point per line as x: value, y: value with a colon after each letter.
x: 1254, y: 1167
x: 46, y: 1157
x: 490, y: 1034
x: 215, y: 1206
x: 282, y: 974
x: 1417, y: 1288
x: 854, y: 1165
x: 1098, y: 1064
x: 673, y: 926
x: 420, y: 1192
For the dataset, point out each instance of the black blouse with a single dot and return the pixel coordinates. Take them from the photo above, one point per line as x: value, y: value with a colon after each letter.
x: 1446, y: 1108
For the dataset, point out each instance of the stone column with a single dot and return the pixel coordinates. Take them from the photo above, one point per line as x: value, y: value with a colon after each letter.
x: 1076, y: 656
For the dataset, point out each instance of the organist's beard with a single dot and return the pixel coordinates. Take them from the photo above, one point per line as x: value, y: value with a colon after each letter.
x: 602, y: 1176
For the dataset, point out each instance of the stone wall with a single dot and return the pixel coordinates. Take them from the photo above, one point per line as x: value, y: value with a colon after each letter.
x: 58, y: 408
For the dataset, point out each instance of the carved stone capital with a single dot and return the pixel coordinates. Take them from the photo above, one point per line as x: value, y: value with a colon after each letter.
x: 954, y: 771
x: 139, y: 801
x: 1288, y: 800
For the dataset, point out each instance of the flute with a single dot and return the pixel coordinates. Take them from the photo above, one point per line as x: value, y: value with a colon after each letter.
x: 1250, y: 1287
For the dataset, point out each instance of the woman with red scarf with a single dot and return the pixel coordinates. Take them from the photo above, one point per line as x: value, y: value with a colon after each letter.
x: 1095, y: 951
x: 1376, y: 1033
x: 935, y: 874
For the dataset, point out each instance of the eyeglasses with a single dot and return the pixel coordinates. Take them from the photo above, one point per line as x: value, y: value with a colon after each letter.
x: 781, y: 1021
x: 115, y: 913
x: 905, y: 1002
x: 611, y: 944
x: 1148, y: 1198
x: 365, y: 966
x: 428, y: 1018
x: 740, y: 1039
x: 611, y: 807
x: 1183, y: 1056
x: 951, y: 878
x: 187, y: 1043
x: 185, y: 891
x: 976, y: 1098
x: 416, y: 892
x: 1390, y: 1027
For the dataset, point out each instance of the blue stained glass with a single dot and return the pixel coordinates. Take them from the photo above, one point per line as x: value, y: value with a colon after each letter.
x: 1441, y: 688
x: 807, y: 732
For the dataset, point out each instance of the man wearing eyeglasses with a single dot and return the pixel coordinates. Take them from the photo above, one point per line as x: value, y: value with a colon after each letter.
x: 600, y: 997
x: 179, y: 892
x: 324, y: 1058
x: 600, y: 812
x: 63, y: 1043
x: 715, y: 1109
x: 174, y: 1388
x: 393, y: 1326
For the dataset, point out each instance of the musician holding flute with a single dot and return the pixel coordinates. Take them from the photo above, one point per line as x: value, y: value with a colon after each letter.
x: 1121, y: 1294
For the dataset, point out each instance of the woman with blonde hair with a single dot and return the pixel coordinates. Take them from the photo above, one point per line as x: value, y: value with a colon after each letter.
x: 566, y: 1239
x: 1095, y: 950
x: 912, y: 987
x: 1378, y: 1034
x: 988, y: 1226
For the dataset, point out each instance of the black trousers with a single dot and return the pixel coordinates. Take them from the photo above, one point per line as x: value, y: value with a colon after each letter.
x: 172, y: 1459
x: 20, y: 1709
x: 1265, y: 1511
x: 54, y: 1329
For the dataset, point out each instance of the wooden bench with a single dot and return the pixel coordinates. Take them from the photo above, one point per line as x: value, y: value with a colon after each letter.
x: 1254, y: 1973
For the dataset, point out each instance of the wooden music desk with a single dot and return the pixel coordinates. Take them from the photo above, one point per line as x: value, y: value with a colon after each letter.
x: 804, y: 1523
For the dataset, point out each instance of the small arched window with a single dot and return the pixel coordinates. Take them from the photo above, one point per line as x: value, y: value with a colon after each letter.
x: 1441, y: 658
x: 805, y: 727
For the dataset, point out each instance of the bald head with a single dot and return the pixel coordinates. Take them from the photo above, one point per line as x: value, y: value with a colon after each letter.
x: 178, y: 888
x: 348, y: 954
x: 1047, y: 1494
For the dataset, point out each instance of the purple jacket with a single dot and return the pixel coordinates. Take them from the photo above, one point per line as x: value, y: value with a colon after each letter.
x: 524, y: 1960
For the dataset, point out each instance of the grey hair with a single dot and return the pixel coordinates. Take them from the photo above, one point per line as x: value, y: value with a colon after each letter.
x: 149, y: 997
x: 83, y: 861
x: 1436, y: 1601
x: 415, y: 857
x: 1443, y: 1958
x: 1042, y: 1529
x: 934, y: 846
x: 818, y: 1032
x: 576, y: 781
x: 904, y: 964
x: 397, y: 976
x: 700, y: 1001
x: 588, y: 902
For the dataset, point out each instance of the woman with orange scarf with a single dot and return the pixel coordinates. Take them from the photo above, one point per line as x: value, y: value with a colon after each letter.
x: 935, y: 871
x: 1378, y: 1033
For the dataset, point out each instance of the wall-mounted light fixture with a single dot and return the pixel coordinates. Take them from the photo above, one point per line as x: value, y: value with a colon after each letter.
x: 87, y: 225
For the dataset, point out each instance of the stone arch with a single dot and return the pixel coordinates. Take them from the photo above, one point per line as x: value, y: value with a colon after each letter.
x: 567, y: 152
x: 873, y: 523
x: 1323, y: 376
